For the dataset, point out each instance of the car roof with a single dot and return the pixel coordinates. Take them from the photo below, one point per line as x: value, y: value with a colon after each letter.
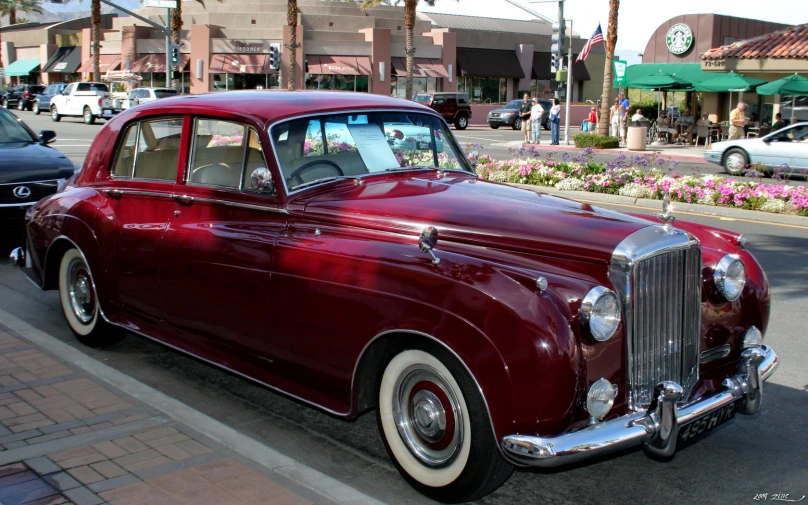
x: 273, y: 105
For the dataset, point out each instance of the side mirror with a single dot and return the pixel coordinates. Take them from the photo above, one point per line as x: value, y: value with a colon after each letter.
x: 47, y: 136
x: 261, y: 181
x: 427, y: 241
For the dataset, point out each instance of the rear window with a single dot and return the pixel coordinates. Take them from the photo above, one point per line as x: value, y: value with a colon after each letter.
x: 36, y: 89
x: 92, y: 86
x: 162, y: 93
x: 463, y: 99
x: 423, y: 98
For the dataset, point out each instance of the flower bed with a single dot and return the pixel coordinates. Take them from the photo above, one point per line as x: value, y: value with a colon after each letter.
x: 647, y: 177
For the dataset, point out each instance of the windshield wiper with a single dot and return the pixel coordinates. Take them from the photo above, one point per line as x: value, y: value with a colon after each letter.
x: 321, y: 181
x: 410, y: 168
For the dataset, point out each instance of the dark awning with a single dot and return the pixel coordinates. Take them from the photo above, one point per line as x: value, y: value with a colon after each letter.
x: 541, y: 68
x: 579, y: 71
x: 488, y: 63
x: 65, y: 60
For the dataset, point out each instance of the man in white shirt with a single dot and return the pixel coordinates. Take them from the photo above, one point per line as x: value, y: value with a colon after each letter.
x: 536, y: 113
x: 638, y: 115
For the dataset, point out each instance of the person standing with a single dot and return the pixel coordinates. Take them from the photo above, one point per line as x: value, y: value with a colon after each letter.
x: 623, y: 117
x: 536, y: 113
x: 555, y: 119
x: 592, y: 119
x: 614, y: 119
x: 737, y: 120
x: 524, y: 114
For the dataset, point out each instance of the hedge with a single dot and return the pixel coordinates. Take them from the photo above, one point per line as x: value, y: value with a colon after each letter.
x: 594, y: 141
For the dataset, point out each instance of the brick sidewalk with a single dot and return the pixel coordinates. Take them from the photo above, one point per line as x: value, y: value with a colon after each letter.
x: 66, y: 437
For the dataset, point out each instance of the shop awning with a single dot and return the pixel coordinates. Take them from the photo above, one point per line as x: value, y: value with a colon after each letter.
x: 105, y: 62
x: 237, y: 63
x: 579, y: 70
x: 421, y: 67
x: 541, y: 68
x: 21, y: 67
x: 155, y: 62
x: 690, y: 72
x: 339, y: 65
x: 65, y: 60
x: 488, y: 63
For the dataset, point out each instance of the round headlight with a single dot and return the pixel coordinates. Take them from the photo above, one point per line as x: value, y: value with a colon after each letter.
x: 600, y: 311
x: 730, y: 277
x: 600, y: 398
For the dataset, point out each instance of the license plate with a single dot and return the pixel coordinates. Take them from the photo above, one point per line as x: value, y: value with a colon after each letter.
x: 706, y: 422
x: 106, y: 111
x: 423, y: 145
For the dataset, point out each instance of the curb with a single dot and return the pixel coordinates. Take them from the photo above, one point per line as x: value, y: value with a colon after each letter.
x: 618, y: 151
x: 293, y: 470
x: 656, y: 205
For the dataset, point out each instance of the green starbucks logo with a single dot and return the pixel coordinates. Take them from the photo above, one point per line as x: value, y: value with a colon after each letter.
x: 679, y: 38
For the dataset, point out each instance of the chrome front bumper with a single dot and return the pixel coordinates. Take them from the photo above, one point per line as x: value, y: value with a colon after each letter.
x: 657, y: 428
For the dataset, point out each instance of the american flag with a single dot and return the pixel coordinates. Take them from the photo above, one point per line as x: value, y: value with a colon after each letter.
x: 597, y: 38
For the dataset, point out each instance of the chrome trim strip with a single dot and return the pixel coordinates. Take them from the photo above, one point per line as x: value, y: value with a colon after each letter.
x: 645, y: 427
x: 722, y: 351
x: 442, y: 344
x: 26, y: 204
x: 114, y: 192
x: 243, y: 205
x: 28, y: 182
x: 408, y: 108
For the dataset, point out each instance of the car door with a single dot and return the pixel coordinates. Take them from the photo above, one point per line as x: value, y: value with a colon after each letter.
x: 140, y: 198
x: 218, y: 249
x: 64, y: 104
x: 786, y: 147
x: 449, y: 108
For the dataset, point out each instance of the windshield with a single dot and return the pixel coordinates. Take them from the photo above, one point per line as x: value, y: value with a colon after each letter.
x: 325, y: 147
x: 162, y: 93
x: 514, y: 104
x: 12, y: 131
x: 423, y: 98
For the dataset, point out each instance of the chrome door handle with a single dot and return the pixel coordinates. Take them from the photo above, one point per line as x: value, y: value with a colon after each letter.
x: 114, y: 193
x: 184, y: 199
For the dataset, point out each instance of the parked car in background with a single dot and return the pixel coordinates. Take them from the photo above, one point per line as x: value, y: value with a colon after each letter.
x: 43, y: 100
x: 453, y: 107
x: 787, y: 146
x: 3, y: 94
x: 145, y: 95
x: 509, y: 115
x: 488, y: 325
x: 89, y: 100
x: 22, y: 96
x: 29, y: 170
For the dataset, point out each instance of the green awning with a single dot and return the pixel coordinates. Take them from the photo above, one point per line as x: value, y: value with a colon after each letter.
x: 690, y: 72
x: 21, y: 67
x: 729, y: 82
x: 791, y: 85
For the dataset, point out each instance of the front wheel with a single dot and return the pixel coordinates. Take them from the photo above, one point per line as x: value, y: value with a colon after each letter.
x: 88, y: 116
x: 494, y: 126
x: 80, y: 303
x: 20, y: 105
x: 461, y: 122
x: 436, y: 429
x: 735, y: 161
x: 55, y: 117
x: 517, y: 124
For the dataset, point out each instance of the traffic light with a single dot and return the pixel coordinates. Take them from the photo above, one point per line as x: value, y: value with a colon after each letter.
x: 559, y: 39
x: 174, y: 53
x: 274, y: 56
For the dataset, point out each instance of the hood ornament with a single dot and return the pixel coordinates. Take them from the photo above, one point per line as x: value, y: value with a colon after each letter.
x: 665, y: 216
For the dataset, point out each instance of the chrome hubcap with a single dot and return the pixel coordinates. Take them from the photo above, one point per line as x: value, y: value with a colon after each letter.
x: 428, y: 416
x: 735, y: 162
x: 80, y: 292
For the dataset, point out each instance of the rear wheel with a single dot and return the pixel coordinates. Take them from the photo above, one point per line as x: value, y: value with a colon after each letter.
x: 517, y: 124
x: 55, y: 114
x: 461, y: 122
x: 88, y: 116
x: 735, y: 161
x: 20, y: 104
x: 36, y: 108
x: 435, y: 427
x: 80, y: 303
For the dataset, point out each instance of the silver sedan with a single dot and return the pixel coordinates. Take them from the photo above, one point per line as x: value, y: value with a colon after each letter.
x: 787, y: 146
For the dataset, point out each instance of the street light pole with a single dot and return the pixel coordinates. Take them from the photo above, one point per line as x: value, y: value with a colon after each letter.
x: 569, y: 90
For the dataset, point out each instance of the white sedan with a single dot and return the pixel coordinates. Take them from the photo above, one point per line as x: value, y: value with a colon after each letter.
x: 144, y: 95
x: 787, y: 146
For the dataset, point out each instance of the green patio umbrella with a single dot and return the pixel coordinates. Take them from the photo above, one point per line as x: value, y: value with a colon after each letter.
x: 661, y: 81
x: 792, y: 85
x: 729, y: 82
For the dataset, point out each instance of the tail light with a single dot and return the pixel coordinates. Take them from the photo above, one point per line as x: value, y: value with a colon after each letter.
x: 99, y: 102
x: 27, y: 95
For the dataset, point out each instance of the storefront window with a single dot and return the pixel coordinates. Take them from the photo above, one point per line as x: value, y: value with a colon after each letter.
x: 541, y: 89
x: 221, y: 82
x: 419, y: 85
x: 484, y: 89
x: 337, y: 82
x: 158, y: 79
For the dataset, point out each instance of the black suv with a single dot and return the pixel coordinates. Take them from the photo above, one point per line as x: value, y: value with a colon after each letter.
x: 22, y: 96
x: 454, y: 107
x: 509, y: 115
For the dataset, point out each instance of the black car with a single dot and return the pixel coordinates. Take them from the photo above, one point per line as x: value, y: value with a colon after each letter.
x: 43, y: 100
x: 509, y: 115
x: 22, y: 96
x: 29, y: 171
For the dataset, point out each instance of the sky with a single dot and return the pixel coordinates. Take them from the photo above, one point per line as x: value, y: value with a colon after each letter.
x: 637, y: 19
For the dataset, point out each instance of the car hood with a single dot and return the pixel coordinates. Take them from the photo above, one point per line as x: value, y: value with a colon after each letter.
x: 31, y: 161
x: 502, y: 111
x: 469, y: 210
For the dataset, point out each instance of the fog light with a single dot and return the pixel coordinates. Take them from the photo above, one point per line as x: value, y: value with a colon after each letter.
x: 600, y: 398
x: 753, y: 338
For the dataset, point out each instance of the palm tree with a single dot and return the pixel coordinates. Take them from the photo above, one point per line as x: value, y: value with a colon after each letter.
x: 611, y: 42
x: 10, y: 8
x: 291, y: 19
x: 176, y: 32
x: 95, y: 37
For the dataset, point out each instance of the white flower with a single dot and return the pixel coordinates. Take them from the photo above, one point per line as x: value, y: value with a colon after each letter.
x: 570, y: 184
x: 498, y: 176
x: 773, y: 205
x: 636, y: 191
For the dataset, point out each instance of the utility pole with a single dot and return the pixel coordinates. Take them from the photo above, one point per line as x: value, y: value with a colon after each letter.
x: 569, y: 90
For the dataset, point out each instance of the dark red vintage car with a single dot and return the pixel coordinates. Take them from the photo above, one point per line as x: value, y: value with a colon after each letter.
x: 340, y: 249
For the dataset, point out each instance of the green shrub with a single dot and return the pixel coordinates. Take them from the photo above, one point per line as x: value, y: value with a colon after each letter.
x: 595, y: 142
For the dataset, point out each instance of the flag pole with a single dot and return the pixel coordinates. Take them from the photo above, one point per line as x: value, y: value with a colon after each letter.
x: 569, y: 90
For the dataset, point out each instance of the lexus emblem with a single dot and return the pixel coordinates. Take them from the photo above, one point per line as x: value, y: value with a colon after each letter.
x: 22, y: 191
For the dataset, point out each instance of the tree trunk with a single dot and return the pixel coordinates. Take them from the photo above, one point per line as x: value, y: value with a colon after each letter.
x: 12, y: 16
x: 409, y: 25
x: 291, y: 19
x: 606, y: 97
x: 95, y: 19
x: 176, y: 32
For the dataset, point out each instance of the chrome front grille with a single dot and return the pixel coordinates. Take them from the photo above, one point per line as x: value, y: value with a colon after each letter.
x: 665, y: 327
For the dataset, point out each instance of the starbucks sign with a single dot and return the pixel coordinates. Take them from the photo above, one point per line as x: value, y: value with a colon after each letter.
x: 679, y: 38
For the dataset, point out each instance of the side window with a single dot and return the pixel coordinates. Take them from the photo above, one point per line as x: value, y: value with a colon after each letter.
x: 451, y: 101
x: 463, y: 99
x: 69, y: 89
x: 83, y: 86
x: 437, y: 101
x: 218, y: 157
x: 150, y: 150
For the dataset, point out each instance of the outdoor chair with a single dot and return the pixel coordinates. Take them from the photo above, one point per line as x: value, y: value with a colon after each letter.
x: 703, y: 132
x: 724, y: 131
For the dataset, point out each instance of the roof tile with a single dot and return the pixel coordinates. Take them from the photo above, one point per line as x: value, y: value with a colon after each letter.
x: 789, y: 43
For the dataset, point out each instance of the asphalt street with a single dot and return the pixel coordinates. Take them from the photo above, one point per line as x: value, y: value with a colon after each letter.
x: 748, y: 456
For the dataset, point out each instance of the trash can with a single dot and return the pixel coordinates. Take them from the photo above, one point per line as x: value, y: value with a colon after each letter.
x: 637, y: 136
